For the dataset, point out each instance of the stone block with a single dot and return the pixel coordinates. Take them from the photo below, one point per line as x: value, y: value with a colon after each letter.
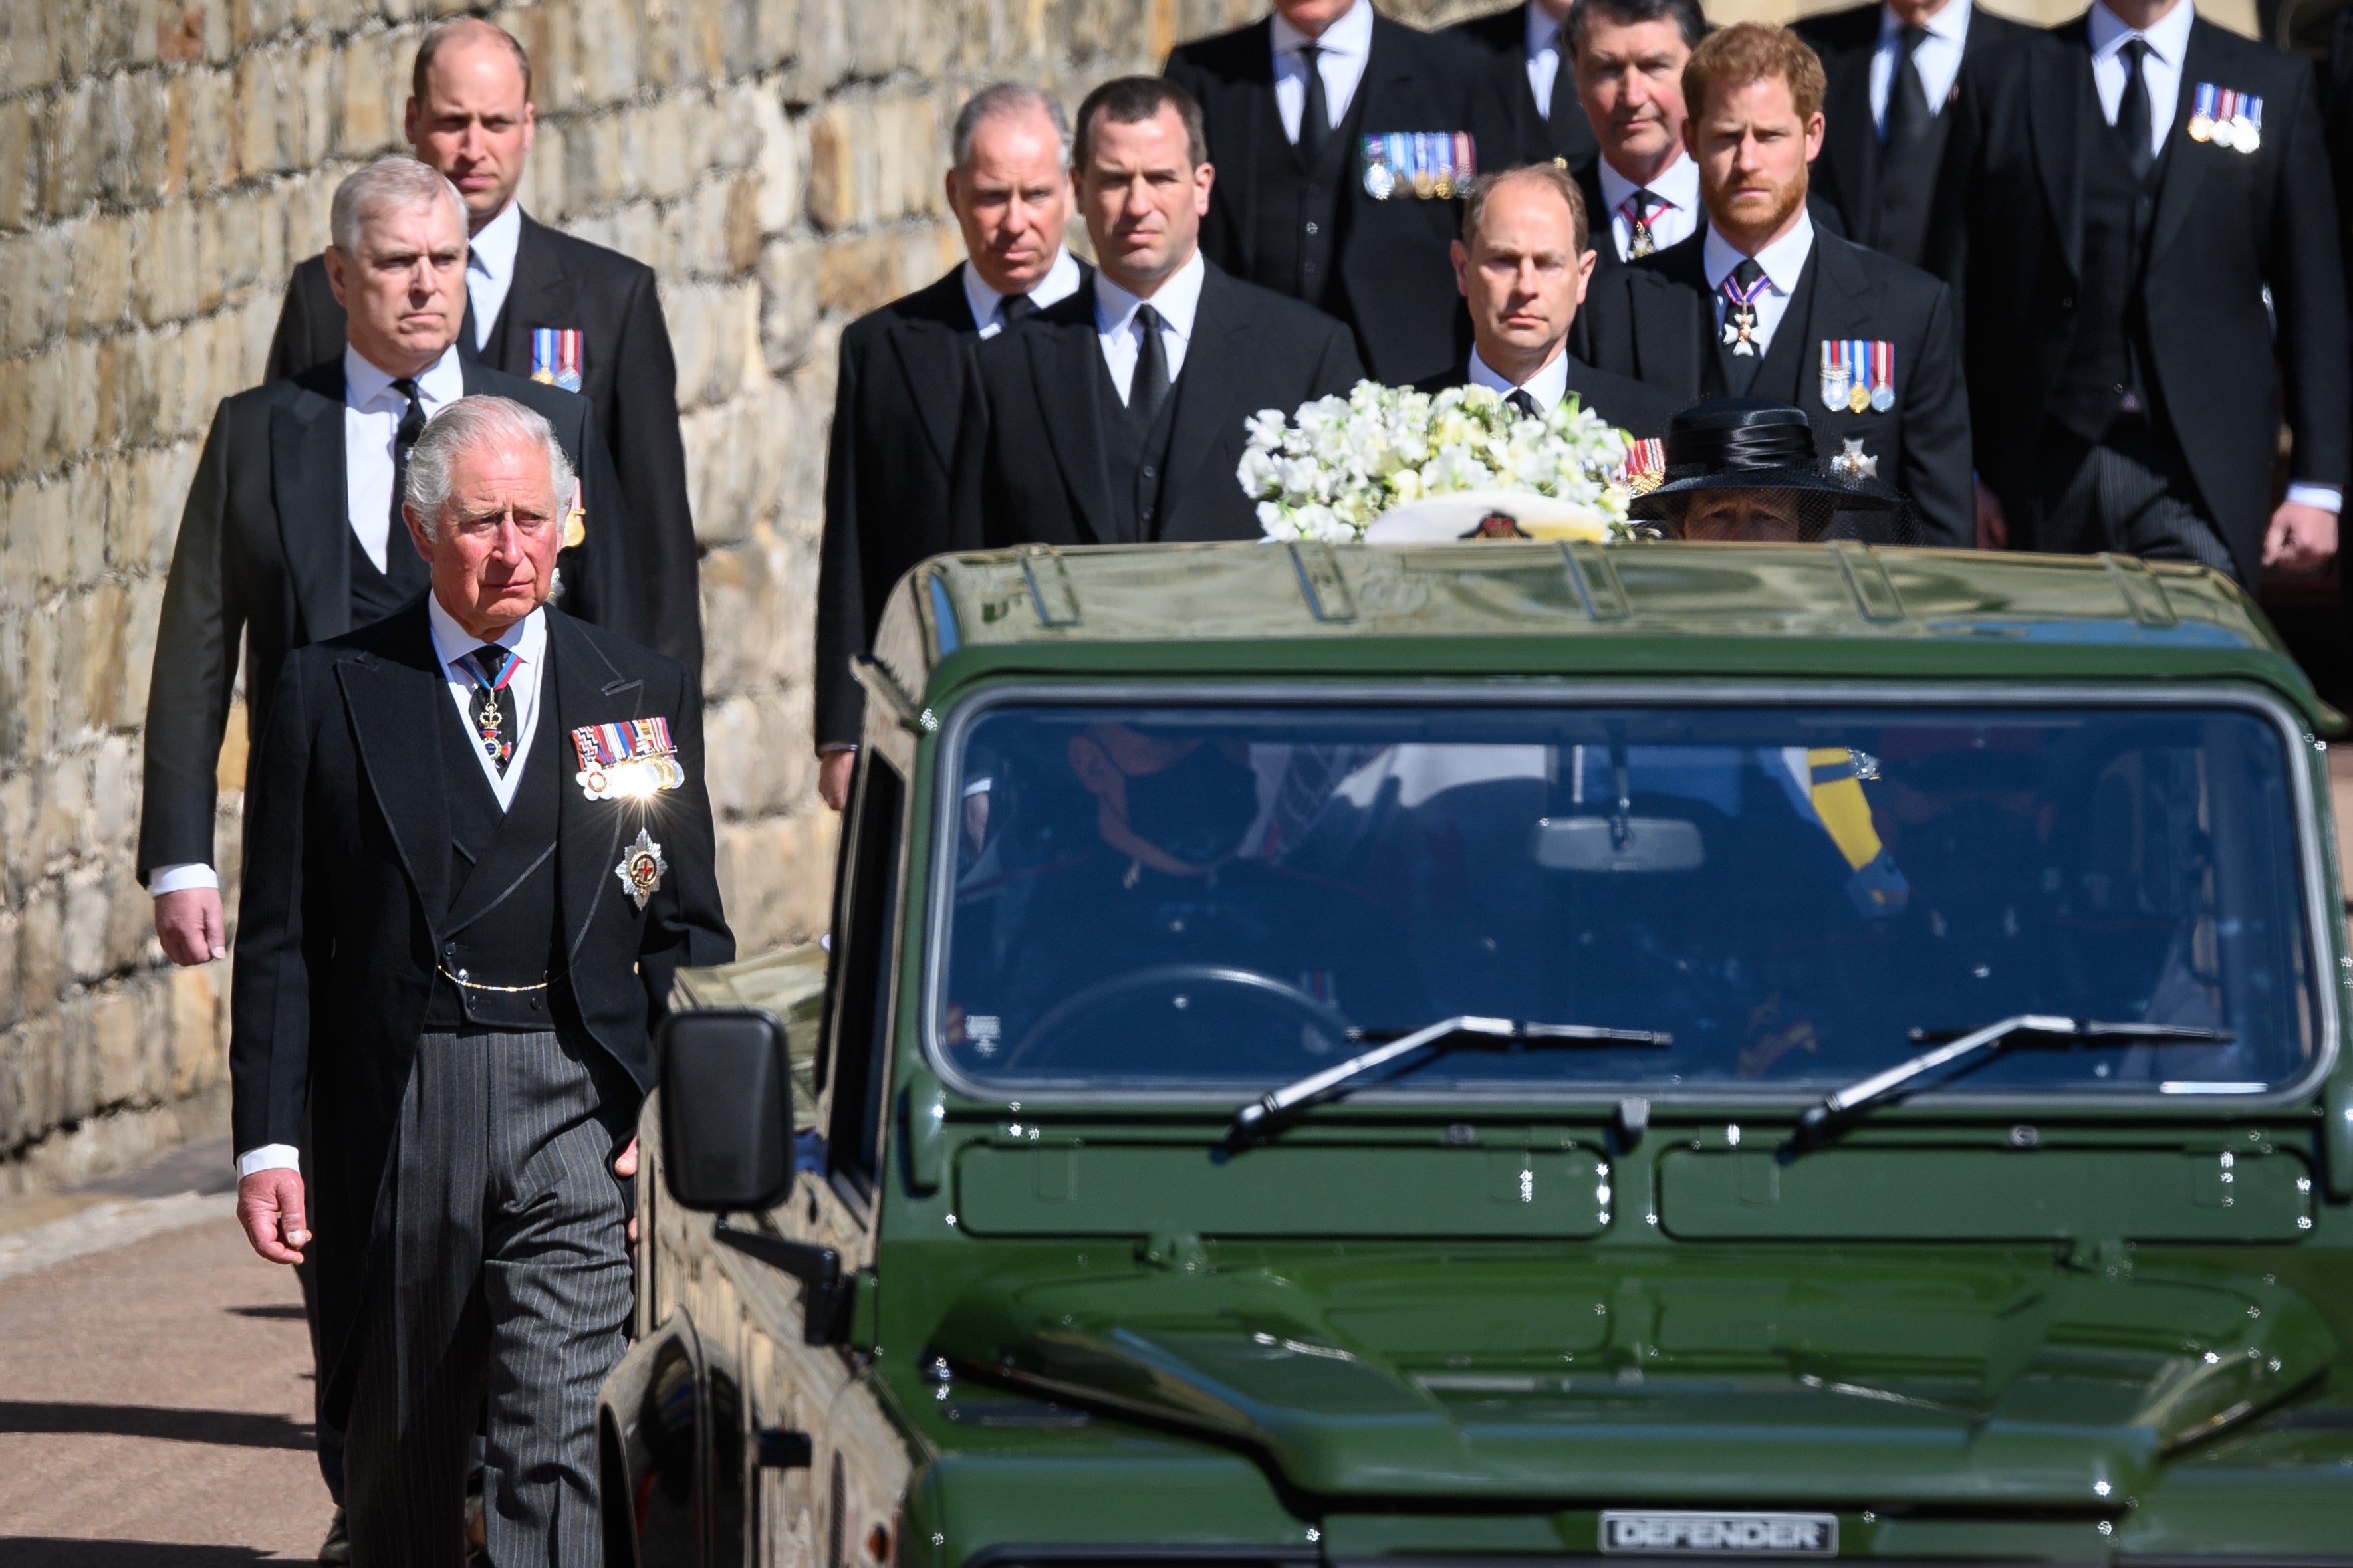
x: 129, y: 916
x: 39, y: 698
x: 101, y: 278
x: 742, y: 224
x: 782, y: 154
x: 163, y: 239
x: 877, y: 29
x: 68, y: 151
x: 198, y: 1032
x: 17, y: 808
x: 114, y: 791
x: 35, y: 556
x: 12, y: 996
x: 29, y: 44
x: 212, y: 156
x: 372, y: 87
x: 542, y: 190
x: 833, y: 193
x: 86, y: 497
x: 18, y: 174
x: 860, y: 274
x: 100, y: 660
x: 31, y: 1076
x: 41, y: 956
x: 139, y: 650
x: 117, y: 1044
x: 62, y: 813
x: 788, y: 301
x: 179, y: 33
x: 769, y: 34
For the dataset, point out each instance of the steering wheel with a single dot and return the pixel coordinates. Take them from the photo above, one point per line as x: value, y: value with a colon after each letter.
x: 1119, y: 987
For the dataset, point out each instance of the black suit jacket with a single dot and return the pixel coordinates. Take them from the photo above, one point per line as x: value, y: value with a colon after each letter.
x: 888, y: 474
x: 1655, y: 319
x: 1845, y: 176
x: 1634, y: 406
x: 2229, y: 226
x: 628, y: 375
x: 1394, y: 260
x: 264, y: 559
x: 1030, y: 455
x: 347, y: 885
x: 1502, y: 37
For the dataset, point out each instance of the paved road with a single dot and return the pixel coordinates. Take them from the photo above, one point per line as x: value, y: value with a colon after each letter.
x: 155, y: 1406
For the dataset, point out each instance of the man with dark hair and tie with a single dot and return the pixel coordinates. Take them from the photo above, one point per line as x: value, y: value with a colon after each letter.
x: 902, y: 381
x: 1524, y: 263
x: 1906, y: 82
x: 2152, y: 282
x: 1761, y: 304
x: 1343, y: 142
x: 539, y: 303
x: 1119, y: 416
x: 481, y: 850
x: 1530, y: 46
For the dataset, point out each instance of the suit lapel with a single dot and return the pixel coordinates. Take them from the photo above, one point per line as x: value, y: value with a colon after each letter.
x: 2185, y: 167
x: 1674, y: 330
x: 1204, y: 392
x: 1066, y: 367
x: 1852, y: 147
x: 930, y: 350
x: 535, y: 293
x: 2060, y: 103
x: 589, y: 833
x: 308, y: 489
x: 399, y: 736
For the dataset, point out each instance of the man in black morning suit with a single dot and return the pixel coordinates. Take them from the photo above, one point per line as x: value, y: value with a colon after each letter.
x: 2128, y: 380
x: 470, y: 116
x: 481, y: 850
x: 1119, y: 416
x: 1906, y: 84
x: 1533, y: 73
x: 288, y: 536
x: 1524, y: 263
x: 1295, y: 208
x: 901, y: 383
x: 1760, y: 303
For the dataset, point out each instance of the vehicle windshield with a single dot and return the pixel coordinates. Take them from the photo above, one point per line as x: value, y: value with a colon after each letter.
x: 1205, y: 897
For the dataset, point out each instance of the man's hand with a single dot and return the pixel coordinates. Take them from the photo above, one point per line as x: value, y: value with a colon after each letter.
x: 270, y: 1206
x: 1993, y: 528
x: 833, y: 773
x: 625, y: 1165
x: 2300, y: 537
x: 188, y: 923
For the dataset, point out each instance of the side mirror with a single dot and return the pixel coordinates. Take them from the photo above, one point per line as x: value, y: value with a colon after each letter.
x: 727, y: 1109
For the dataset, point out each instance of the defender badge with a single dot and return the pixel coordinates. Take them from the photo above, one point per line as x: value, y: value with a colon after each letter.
x: 641, y: 869
x: 1677, y: 1533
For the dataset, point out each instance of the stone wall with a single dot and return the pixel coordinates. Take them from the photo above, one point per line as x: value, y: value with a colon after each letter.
x: 163, y: 163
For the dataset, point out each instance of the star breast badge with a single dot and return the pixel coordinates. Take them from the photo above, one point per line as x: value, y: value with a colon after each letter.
x: 1855, y: 463
x: 641, y: 869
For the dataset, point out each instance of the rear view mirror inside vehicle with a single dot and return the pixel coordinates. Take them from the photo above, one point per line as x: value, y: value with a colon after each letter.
x: 727, y: 1109
x: 1618, y: 844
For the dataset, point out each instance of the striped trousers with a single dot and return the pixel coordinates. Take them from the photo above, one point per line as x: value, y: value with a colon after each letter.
x: 2131, y: 493
x: 508, y: 1290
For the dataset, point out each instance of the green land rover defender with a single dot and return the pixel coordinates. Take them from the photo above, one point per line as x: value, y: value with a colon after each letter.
x: 1513, y: 1051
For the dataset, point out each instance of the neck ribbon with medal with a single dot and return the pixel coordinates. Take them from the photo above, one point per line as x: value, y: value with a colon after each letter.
x: 488, y: 723
x: 1740, y: 314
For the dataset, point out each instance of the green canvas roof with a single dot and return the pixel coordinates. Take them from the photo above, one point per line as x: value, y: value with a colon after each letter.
x: 1542, y: 609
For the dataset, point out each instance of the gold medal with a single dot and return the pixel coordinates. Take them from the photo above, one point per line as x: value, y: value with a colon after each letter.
x: 2201, y: 128
x: 1858, y: 398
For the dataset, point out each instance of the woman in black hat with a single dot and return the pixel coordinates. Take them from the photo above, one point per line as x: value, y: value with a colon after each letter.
x: 1743, y: 470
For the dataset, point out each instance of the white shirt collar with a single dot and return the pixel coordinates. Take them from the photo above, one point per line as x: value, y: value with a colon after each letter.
x: 1543, y: 33
x: 493, y: 250
x: 1178, y: 301
x: 1351, y: 35
x: 1951, y: 23
x: 1547, y: 386
x: 1782, y: 260
x: 1677, y: 185
x: 366, y: 384
x: 2168, y: 38
x: 452, y: 642
x: 1061, y: 281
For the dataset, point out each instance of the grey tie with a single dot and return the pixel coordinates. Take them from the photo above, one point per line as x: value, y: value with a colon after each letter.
x: 1150, y: 387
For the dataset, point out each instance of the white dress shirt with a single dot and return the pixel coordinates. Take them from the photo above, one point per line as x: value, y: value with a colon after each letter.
x: 489, y: 269
x: 1677, y: 187
x: 528, y: 638
x: 2169, y: 44
x: 1346, y: 44
x: 1783, y: 261
x: 372, y: 411
x: 1544, y: 55
x: 1061, y: 281
x: 1937, y: 60
x: 1178, y: 303
x: 1547, y: 386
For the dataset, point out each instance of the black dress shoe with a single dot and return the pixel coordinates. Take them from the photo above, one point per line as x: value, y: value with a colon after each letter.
x: 337, y: 1547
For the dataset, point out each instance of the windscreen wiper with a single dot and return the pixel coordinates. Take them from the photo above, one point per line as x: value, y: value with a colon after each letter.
x: 2026, y: 1028
x: 1262, y: 1115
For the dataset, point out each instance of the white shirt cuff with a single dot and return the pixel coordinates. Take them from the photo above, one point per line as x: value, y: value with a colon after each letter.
x: 269, y: 1157
x: 165, y: 879
x: 829, y: 750
x: 2328, y: 497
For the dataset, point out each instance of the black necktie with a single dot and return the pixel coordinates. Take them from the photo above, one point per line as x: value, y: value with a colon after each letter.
x: 1315, y: 115
x: 412, y: 425
x: 1908, y: 112
x: 494, y: 724
x: 1564, y: 82
x: 1015, y: 310
x: 1742, y: 345
x: 1150, y: 386
x: 2132, y: 110
x: 1637, y: 207
x: 1524, y: 404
